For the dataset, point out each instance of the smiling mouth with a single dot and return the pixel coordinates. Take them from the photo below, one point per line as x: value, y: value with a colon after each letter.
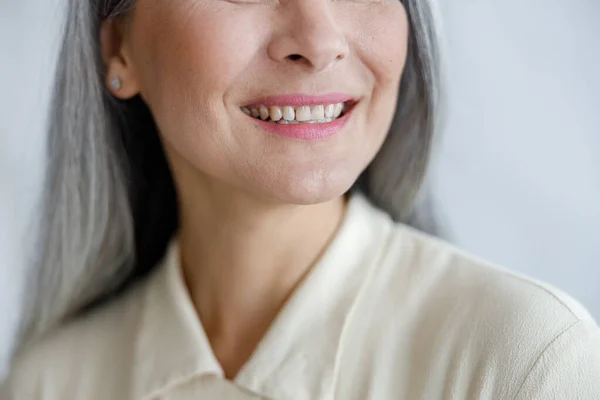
x: 314, y: 114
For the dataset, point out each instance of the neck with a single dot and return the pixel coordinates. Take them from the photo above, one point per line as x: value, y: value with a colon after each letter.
x: 242, y: 256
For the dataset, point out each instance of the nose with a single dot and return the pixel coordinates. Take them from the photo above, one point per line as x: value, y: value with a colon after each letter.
x: 308, y: 35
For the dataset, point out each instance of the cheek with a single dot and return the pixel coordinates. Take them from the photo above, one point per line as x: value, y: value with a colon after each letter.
x: 190, y: 53
x: 381, y: 39
x: 189, y: 58
x: 381, y: 42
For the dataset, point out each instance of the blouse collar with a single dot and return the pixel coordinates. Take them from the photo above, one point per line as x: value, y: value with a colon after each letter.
x: 299, y: 350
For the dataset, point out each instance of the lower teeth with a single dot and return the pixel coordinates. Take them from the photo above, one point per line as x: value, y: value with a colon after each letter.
x: 318, y: 121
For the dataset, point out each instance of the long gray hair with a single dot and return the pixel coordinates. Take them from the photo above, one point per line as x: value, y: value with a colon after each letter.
x: 109, y: 207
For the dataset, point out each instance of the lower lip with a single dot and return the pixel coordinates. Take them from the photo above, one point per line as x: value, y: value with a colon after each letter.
x: 304, y: 131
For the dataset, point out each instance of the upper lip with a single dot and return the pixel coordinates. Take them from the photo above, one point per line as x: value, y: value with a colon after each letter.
x: 301, y: 100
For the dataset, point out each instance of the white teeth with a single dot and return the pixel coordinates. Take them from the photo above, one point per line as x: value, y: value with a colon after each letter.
x: 264, y: 112
x: 275, y: 113
x: 329, y: 110
x: 288, y: 113
x: 303, y: 113
x: 338, y: 110
x: 317, y: 112
x: 320, y: 121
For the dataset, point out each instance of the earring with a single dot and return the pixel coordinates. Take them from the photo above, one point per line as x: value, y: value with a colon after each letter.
x: 115, y: 83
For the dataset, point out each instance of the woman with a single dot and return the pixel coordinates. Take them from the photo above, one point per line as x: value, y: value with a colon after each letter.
x: 223, y: 219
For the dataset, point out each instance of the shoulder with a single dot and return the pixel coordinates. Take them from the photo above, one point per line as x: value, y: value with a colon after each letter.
x: 444, y: 271
x: 92, y: 350
x: 455, y: 315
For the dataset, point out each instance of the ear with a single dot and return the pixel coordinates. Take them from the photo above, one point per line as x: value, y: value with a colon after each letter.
x: 118, y: 64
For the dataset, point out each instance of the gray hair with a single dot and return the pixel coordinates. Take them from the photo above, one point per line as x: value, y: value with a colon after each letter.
x: 109, y: 207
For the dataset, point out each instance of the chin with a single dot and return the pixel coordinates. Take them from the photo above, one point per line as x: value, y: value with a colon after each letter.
x: 310, y: 189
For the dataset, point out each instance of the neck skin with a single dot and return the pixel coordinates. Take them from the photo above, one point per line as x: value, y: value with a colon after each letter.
x: 242, y: 258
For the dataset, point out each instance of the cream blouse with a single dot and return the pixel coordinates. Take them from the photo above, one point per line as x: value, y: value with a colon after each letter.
x: 387, y: 313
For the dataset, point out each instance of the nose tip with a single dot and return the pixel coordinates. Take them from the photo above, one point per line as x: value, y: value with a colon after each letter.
x: 311, y: 39
x: 319, y: 58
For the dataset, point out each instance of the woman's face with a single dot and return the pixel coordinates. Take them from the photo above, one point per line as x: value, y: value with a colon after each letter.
x: 202, y: 65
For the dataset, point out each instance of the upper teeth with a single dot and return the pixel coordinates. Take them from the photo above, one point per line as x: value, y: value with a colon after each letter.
x: 283, y: 114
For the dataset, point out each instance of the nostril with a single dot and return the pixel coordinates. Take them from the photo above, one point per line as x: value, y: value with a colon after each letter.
x: 294, y: 57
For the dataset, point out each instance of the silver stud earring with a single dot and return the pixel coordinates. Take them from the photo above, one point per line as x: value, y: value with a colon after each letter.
x: 115, y: 83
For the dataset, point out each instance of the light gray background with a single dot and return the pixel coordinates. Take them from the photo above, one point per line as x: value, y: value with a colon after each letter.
x: 517, y: 178
x: 29, y: 33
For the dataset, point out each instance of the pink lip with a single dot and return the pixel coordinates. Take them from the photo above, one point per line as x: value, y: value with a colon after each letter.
x: 304, y: 131
x: 301, y: 100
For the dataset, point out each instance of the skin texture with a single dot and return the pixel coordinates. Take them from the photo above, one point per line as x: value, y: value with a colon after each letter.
x: 257, y: 209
